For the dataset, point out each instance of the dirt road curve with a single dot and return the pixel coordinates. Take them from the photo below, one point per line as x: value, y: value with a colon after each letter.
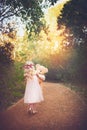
x: 62, y: 109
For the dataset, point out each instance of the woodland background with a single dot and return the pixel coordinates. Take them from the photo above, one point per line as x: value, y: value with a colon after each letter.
x: 28, y: 31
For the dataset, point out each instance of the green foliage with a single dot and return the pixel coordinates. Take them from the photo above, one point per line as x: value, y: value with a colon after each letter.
x: 29, y: 11
x: 79, y: 88
x: 74, y: 15
x: 32, y: 15
x: 64, y: 67
x: 6, y: 53
x: 12, y: 84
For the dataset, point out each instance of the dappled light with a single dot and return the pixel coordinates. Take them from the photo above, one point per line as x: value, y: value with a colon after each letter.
x: 53, y: 40
x: 43, y: 44
x: 50, y: 41
x: 55, y: 45
x: 52, y: 47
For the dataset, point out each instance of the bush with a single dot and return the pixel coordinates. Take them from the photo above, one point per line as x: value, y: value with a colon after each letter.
x: 12, y: 84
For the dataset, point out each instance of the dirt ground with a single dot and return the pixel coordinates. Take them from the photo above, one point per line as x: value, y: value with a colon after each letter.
x: 62, y: 109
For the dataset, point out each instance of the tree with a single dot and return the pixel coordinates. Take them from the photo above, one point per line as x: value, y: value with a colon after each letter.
x: 29, y: 11
x: 53, y: 1
x: 74, y: 17
x: 6, y: 53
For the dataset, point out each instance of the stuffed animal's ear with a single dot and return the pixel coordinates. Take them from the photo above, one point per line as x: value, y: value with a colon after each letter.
x: 44, y: 69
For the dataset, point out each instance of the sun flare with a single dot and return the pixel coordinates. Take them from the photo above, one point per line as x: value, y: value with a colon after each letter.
x: 53, y: 37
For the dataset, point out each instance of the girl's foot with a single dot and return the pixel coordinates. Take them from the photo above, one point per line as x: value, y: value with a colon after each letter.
x: 34, y: 112
x: 29, y: 110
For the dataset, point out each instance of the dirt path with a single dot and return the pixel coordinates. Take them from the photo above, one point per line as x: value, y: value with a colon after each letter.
x: 62, y: 109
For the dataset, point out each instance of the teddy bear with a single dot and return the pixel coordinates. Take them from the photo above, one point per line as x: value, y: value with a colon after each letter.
x: 40, y: 72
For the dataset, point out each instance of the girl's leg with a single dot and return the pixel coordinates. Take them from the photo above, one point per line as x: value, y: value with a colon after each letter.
x: 34, y: 108
x: 30, y: 107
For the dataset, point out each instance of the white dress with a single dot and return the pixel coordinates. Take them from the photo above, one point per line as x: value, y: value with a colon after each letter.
x: 33, y: 91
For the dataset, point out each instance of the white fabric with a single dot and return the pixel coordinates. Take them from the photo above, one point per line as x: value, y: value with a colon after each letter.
x: 33, y: 91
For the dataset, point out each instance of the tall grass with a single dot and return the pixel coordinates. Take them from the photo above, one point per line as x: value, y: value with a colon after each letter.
x: 12, y: 84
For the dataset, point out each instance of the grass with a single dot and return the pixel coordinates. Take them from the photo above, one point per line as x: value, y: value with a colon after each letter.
x: 12, y: 85
x: 80, y: 89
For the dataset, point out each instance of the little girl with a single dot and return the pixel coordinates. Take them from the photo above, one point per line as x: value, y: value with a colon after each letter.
x: 33, y: 92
